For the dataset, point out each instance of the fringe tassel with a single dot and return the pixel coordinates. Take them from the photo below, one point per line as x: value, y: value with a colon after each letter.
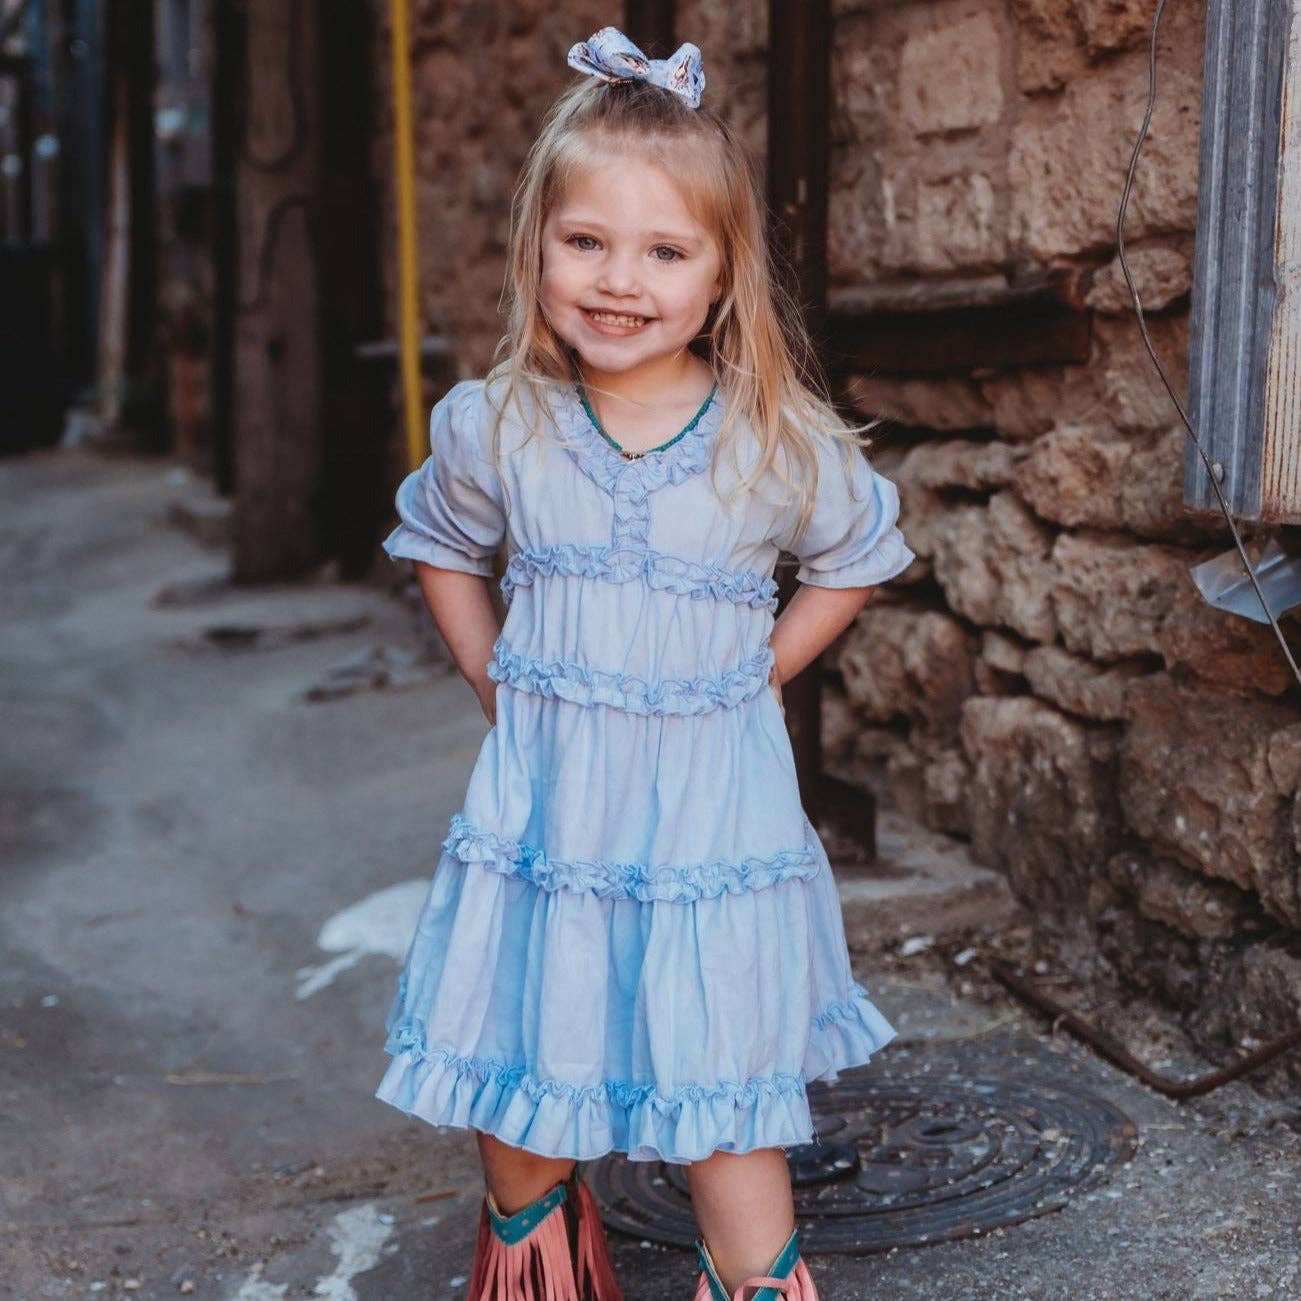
x: 543, y: 1265
x: 796, y: 1286
x: 803, y: 1289
x: 596, y: 1279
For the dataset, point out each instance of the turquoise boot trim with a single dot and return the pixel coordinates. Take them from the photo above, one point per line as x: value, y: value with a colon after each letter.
x: 512, y: 1229
x: 716, y: 1290
x: 781, y: 1268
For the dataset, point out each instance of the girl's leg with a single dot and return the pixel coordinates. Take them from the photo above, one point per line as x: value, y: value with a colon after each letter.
x: 744, y: 1208
x: 516, y: 1177
x: 524, y: 1251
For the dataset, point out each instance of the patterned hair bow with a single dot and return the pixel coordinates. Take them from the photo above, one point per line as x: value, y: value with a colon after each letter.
x: 610, y: 55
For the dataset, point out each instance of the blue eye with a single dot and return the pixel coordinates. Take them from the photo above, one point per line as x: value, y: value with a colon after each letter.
x: 673, y: 254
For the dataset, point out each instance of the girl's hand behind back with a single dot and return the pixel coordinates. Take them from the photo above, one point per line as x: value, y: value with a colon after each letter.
x: 462, y: 611
x: 776, y: 684
x: 487, y: 694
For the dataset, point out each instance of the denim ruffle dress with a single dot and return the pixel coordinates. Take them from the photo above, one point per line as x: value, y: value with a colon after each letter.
x: 633, y: 940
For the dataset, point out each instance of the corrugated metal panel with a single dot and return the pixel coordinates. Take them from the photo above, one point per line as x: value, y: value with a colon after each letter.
x: 1235, y: 284
x: 1281, y: 462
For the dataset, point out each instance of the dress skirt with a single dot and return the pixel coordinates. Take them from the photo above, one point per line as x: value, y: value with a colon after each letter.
x: 667, y: 998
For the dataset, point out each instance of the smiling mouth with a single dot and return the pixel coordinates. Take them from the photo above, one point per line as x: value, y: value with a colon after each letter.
x: 617, y: 318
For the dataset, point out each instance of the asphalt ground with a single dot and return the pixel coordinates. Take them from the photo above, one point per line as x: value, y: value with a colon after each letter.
x: 218, y: 809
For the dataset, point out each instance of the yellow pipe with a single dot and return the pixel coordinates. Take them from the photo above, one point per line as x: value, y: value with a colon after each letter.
x: 408, y: 268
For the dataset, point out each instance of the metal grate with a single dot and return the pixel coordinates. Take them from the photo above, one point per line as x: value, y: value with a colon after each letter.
x: 907, y: 1159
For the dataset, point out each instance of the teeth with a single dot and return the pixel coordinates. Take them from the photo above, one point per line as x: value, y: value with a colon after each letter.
x: 608, y: 318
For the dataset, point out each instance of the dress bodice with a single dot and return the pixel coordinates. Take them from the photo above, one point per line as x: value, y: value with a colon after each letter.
x: 634, y: 583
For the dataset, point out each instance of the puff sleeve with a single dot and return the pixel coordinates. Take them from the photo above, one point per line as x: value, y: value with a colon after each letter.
x: 852, y: 539
x: 452, y: 507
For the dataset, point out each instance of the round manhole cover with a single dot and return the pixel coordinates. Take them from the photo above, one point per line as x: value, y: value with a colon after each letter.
x: 906, y: 1161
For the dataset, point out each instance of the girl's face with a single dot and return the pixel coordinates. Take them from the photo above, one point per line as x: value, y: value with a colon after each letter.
x: 628, y: 274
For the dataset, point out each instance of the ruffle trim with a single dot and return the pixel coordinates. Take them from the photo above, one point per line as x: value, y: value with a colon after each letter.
x: 583, y: 1122
x: 409, y: 1038
x: 889, y: 556
x: 566, y: 680
x: 847, y: 1010
x: 630, y: 482
x: 631, y: 511
x: 670, y: 883
x: 656, y: 569
x: 407, y: 543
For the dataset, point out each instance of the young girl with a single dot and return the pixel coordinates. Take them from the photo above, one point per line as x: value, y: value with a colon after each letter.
x: 633, y: 941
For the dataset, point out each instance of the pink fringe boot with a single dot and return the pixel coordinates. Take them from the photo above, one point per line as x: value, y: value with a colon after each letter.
x: 788, y: 1278
x: 554, y: 1249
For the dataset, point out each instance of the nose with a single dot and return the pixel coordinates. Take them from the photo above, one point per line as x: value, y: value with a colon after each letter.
x: 618, y: 275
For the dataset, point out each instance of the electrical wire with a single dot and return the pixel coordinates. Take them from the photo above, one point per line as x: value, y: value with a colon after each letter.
x: 1147, y: 342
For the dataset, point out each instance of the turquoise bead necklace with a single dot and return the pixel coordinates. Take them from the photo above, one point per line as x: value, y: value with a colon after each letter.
x: 633, y: 456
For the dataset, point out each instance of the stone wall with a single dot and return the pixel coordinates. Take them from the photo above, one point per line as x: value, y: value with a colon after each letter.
x: 1045, y: 680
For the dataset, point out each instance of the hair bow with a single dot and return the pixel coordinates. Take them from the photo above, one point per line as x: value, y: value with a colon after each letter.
x: 610, y: 55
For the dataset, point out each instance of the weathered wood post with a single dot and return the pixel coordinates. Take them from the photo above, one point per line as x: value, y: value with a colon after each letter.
x: 276, y: 390
x: 1245, y: 354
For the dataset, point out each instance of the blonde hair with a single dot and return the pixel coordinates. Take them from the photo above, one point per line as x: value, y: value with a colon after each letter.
x: 754, y: 337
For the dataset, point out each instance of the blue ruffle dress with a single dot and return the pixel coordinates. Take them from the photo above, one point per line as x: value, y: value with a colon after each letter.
x: 633, y: 940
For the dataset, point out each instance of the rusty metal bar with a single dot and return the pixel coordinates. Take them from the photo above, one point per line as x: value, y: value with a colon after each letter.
x: 1118, y: 1055
x: 799, y: 70
x: 649, y: 24
x: 1065, y: 286
x: 924, y: 327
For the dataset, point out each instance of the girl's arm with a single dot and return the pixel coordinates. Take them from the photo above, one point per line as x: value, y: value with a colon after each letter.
x: 461, y: 605
x: 813, y: 618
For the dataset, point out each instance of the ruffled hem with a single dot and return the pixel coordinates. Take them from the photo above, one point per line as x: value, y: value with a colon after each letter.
x: 583, y: 1122
x: 846, y: 1034
x: 889, y: 557
x: 583, y: 685
x: 670, y: 883
x: 657, y: 569
x: 406, y: 543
